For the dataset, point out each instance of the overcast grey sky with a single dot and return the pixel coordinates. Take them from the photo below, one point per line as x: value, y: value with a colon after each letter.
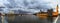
x: 29, y: 5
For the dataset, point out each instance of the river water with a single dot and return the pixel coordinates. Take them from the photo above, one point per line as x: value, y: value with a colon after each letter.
x: 25, y: 19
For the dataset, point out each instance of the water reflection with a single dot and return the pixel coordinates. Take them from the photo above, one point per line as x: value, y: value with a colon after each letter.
x: 27, y: 19
x: 0, y: 19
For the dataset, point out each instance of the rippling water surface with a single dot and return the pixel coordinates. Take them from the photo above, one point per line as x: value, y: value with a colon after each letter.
x: 27, y: 19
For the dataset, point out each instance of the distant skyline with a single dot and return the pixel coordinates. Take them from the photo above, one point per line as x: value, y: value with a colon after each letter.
x: 32, y: 6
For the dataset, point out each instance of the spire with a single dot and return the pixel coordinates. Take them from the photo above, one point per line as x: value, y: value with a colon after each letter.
x: 57, y: 5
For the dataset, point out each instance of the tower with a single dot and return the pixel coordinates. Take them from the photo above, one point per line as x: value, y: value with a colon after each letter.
x: 57, y: 9
x: 55, y: 14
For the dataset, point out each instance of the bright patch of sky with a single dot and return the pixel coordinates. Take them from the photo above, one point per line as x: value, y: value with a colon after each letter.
x: 30, y: 5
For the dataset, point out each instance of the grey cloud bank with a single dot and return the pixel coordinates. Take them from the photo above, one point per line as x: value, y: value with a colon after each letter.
x: 28, y: 5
